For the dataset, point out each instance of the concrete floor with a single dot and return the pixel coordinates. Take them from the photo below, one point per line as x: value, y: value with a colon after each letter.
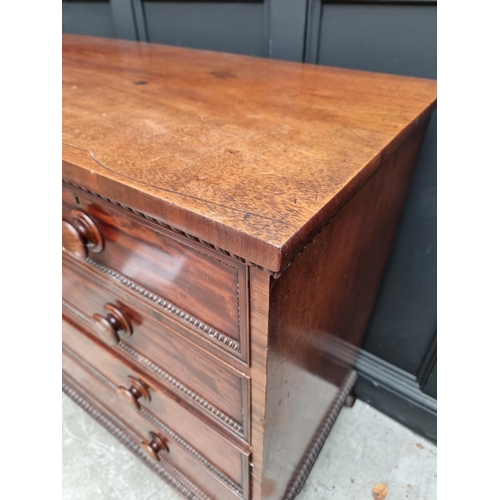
x: 365, y: 448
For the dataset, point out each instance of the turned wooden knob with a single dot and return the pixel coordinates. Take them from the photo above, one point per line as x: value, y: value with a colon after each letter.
x: 156, y: 445
x: 108, y: 327
x: 137, y: 390
x: 80, y: 235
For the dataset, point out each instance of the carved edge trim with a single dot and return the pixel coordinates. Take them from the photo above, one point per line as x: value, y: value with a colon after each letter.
x: 96, y: 411
x: 168, y: 306
x: 274, y: 274
x: 152, y: 418
x: 193, y: 396
x: 188, y: 392
x: 304, y: 468
x: 75, y: 312
x: 171, y: 228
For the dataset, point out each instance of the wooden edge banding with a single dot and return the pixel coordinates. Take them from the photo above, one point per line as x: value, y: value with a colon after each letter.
x: 139, y: 358
x: 259, y: 348
x: 171, y: 228
x: 246, y: 404
x: 166, y: 471
x: 168, y: 306
x: 304, y: 468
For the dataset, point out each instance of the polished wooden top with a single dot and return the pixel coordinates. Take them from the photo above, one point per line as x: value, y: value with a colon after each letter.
x: 251, y: 155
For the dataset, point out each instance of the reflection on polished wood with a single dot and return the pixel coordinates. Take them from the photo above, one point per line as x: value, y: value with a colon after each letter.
x: 246, y: 210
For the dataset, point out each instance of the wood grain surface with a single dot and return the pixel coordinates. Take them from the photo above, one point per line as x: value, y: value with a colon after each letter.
x: 202, y: 284
x: 319, y: 310
x: 254, y: 156
x: 172, y: 360
x: 225, y: 452
x: 258, y: 200
x: 180, y: 453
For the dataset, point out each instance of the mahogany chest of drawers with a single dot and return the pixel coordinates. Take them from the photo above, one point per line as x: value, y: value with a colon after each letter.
x: 226, y: 223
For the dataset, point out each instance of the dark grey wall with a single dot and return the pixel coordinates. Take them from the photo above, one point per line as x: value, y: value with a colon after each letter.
x: 397, y: 366
x: 397, y: 39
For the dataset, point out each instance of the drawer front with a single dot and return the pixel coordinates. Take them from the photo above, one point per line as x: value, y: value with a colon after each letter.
x: 159, y: 407
x: 175, y: 362
x: 165, y: 445
x: 203, y: 291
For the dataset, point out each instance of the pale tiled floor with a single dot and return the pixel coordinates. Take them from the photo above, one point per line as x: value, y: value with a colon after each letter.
x: 363, y: 449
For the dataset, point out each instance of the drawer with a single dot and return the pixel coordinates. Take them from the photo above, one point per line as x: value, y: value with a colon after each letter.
x: 173, y: 361
x: 167, y: 445
x: 204, y: 291
x: 101, y: 373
